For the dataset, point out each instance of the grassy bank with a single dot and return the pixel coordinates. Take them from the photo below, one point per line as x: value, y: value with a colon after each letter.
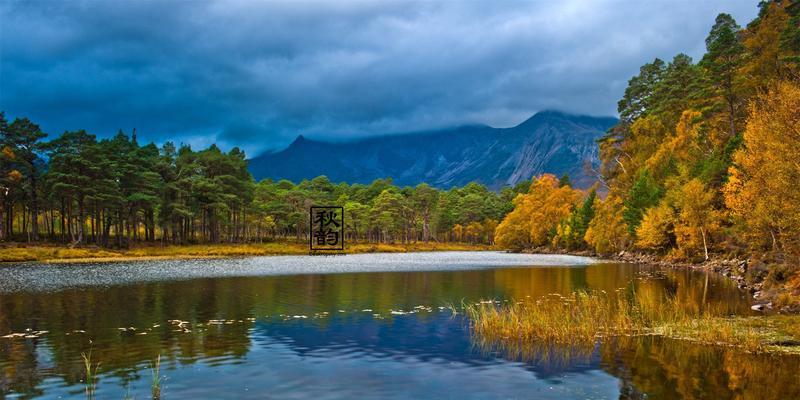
x: 585, y: 317
x: 43, y: 253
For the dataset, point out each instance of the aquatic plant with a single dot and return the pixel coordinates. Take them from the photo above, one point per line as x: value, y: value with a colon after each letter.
x: 155, y: 386
x: 585, y: 317
x: 90, y: 382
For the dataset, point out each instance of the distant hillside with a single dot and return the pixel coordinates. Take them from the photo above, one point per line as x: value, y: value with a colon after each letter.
x: 550, y: 141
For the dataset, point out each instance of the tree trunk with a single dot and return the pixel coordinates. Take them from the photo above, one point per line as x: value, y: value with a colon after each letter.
x: 732, y: 117
x: 63, y: 223
x: 426, y: 227
x: 705, y: 245
x: 34, y: 208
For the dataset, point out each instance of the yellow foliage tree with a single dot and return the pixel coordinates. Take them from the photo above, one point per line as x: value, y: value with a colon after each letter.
x: 489, y: 227
x: 607, y: 231
x: 763, y: 42
x: 473, y: 231
x: 514, y: 231
x: 697, y: 220
x: 536, y: 214
x: 763, y: 189
x: 656, y: 228
x: 681, y: 147
x: 458, y: 232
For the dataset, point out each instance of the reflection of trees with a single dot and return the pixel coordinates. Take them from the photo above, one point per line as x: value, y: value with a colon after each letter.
x: 658, y: 368
x: 100, y: 311
x: 19, y: 370
x: 652, y: 285
x: 654, y: 367
x: 670, y: 369
x: 551, y: 356
x: 147, y: 307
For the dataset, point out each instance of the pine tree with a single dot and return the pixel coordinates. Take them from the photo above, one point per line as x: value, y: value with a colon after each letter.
x: 723, y: 59
x: 24, y: 137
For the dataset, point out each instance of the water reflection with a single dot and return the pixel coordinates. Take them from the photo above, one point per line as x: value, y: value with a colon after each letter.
x: 357, y: 334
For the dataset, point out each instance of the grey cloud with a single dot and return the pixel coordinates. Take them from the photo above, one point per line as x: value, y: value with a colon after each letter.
x: 256, y: 74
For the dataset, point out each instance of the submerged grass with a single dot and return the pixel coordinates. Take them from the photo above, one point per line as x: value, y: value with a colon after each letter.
x: 155, y: 386
x: 583, y: 318
x: 90, y: 369
x: 288, y: 247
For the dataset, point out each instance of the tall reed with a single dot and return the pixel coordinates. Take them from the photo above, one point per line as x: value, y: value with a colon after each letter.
x: 155, y: 386
x: 582, y: 318
x: 91, y: 369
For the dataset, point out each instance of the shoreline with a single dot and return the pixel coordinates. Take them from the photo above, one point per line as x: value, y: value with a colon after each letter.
x: 734, y: 269
x: 52, y: 254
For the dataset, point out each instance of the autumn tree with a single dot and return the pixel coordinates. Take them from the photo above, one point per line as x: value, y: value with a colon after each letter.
x: 536, y: 215
x: 644, y: 193
x: 656, y: 230
x: 608, y: 231
x: 763, y: 191
x: 571, y: 231
x: 697, y: 220
x: 762, y: 39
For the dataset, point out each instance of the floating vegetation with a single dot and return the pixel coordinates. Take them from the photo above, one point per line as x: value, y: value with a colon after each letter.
x: 650, y: 275
x: 28, y: 334
x: 182, y: 326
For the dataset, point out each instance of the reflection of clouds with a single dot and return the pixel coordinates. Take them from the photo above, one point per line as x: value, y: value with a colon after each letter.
x: 276, y: 367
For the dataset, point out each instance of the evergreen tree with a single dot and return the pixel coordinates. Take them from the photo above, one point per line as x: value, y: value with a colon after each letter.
x: 723, y: 58
x: 23, y: 137
x: 645, y: 193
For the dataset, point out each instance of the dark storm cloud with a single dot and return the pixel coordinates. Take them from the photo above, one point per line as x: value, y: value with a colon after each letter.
x: 256, y: 74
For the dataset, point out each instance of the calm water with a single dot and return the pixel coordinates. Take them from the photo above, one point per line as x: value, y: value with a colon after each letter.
x: 352, y: 327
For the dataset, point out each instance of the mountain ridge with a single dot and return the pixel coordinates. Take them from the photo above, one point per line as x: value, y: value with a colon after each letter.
x: 549, y: 141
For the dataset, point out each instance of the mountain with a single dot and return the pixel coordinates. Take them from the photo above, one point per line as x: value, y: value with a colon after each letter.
x: 549, y: 141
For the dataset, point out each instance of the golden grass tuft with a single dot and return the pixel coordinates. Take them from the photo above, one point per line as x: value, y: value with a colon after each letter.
x: 283, y: 247
x: 583, y: 318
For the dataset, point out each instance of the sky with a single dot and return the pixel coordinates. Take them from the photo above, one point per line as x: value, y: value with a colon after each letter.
x: 257, y: 74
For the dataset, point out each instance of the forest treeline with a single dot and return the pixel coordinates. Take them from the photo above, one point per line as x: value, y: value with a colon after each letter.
x: 114, y: 192
x: 703, y: 160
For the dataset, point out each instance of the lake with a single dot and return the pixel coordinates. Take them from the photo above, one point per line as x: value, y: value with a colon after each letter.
x: 353, y: 327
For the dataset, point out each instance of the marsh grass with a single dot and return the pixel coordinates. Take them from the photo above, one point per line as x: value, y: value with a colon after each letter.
x: 90, y: 370
x: 584, y: 318
x: 155, y: 385
x: 41, y: 253
x: 283, y: 247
